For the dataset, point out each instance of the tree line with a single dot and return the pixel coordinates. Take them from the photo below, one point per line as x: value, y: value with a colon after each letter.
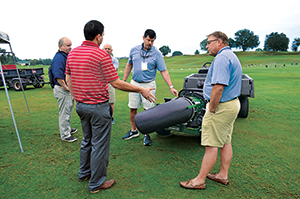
x: 246, y: 40
x: 7, y: 58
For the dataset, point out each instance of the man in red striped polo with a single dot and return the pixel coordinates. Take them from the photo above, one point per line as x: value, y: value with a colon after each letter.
x: 88, y: 71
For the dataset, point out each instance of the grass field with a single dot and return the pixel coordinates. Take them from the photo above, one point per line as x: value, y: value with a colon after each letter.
x: 266, y: 144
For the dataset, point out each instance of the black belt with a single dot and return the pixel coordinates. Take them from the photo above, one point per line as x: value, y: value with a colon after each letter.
x: 139, y: 82
x: 222, y: 102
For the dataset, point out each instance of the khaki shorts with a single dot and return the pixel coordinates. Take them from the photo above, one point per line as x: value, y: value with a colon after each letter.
x: 112, y: 93
x: 217, y: 128
x: 136, y: 99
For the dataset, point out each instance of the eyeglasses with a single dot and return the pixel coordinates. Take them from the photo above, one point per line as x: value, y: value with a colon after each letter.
x: 209, y: 41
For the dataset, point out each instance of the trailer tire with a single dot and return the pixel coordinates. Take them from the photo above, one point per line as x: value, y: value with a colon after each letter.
x: 244, y: 101
x: 38, y: 85
x: 17, y: 85
x: 163, y: 133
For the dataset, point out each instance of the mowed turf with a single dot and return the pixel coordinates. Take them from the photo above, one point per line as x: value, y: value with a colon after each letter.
x: 266, y: 144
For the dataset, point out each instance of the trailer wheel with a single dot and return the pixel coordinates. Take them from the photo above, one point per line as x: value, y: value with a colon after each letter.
x: 38, y: 85
x: 17, y: 85
x: 244, y: 101
x: 163, y: 133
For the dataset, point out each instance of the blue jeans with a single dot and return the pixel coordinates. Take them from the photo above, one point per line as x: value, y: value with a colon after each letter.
x: 94, y: 149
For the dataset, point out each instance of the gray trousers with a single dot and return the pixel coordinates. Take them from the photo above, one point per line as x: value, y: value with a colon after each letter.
x: 94, y: 149
x: 65, y: 103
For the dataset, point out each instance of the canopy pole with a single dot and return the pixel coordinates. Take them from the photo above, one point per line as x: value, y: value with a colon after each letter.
x: 12, y: 114
x: 14, y: 58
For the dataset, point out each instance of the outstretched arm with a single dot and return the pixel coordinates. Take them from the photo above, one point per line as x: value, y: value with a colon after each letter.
x: 124, y: 86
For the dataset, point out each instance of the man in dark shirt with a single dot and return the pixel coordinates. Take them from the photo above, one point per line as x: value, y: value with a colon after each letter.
x: 61, y: 91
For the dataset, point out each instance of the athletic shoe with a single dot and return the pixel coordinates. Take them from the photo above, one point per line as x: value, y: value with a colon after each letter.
x: 113, y: 121
x: 147, y: 140
x: 73, y: 131
x: 131, y: 134
x: 70, y: 139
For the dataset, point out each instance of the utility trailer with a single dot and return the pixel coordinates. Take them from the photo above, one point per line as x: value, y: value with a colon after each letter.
x: 28, y: 76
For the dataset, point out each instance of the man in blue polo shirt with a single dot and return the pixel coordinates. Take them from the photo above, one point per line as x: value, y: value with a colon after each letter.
x: 145, y: 60
x: 221, y: 88
x: 61, y: 91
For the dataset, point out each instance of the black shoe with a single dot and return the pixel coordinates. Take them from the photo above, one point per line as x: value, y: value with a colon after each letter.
x: 70, y: 139
x: 73, y: 131
x: 84, y: 178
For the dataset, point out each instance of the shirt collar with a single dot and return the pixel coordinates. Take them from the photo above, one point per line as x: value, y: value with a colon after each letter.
x: 63, y: 53
x: 224, y: 48
x: 89, y: 43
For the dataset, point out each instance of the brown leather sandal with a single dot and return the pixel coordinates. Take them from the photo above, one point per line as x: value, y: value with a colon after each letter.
x: 213, y: 177
x: 188, y: 185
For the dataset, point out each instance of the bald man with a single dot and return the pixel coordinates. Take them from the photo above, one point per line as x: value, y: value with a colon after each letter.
x: 61, y: 91
x: 111, y: 90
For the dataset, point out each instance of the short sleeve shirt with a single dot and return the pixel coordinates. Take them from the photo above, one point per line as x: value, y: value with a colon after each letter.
x: 225, y: 69
x: 90, y: 69
x: 58, y: 66
x: 146, y: 63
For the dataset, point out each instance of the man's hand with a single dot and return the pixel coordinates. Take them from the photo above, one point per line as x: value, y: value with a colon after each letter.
x: 146, y: 92
x: 62, y: 84
x: 174, y: 91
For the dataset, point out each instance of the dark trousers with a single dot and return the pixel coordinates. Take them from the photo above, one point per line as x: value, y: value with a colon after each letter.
x: 94, y: 149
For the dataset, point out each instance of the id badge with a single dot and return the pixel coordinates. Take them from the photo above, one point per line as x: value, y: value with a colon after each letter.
x: 144, y: 66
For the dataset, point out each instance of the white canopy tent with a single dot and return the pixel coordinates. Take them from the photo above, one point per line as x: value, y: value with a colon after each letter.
x: 4, y: 39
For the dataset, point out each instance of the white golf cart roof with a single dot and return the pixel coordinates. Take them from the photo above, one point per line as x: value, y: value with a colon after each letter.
x: 4, y: 38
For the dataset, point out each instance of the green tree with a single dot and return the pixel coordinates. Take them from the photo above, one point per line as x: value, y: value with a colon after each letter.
x: 165, y: 50
x: 245, y: 39
x: 34, y: 62
x: 295, y: 44
x: 276, y: 42
x: 232, y: 43
x: 176, y: 53
x: 3, y: 57
x: 203, y: 45
x: 47, y: 61
x: 197, y: 52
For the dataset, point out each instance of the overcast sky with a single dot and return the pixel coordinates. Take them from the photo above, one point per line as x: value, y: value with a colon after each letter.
x: 35, y: 26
